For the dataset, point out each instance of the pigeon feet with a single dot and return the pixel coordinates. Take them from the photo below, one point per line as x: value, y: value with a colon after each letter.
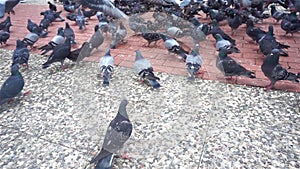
x: 269, y: 87
x: 64, y: 67
x: 228, y: 78
x: 125, y: 156
x: 26, y: 93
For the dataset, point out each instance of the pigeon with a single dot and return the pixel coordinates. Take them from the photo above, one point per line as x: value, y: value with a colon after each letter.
x: 230, y: 67
x: 274, y: 71
x: 70, y: 7
x: 7, y: 21
x: 4, y: 34
x: 44, y: 24
x: 144, y: 70
x: 103, y: 22
x: 268, y: 42
x: 198, y: 31
x: 31, y: 26
x: 59, y: 54
x: 31, y: 38
x: 150, y: 36
x: 20, y: 54
x: 222, y: 43
x: 80, y: 20
x: 52, y: 15
x: 193, y: 62
x: 105, y: 6
x: 7, y: 6
x: 56, y: 40
x: 13, y: 86
x: 69, y: 33
x: 217, y: 30
x: 289, y: 27
x: 277, y: 15
x: 119, y: 36
x: 79, y: 54
x: 52, y: 6
x: 136, y: 23
x: 173, y: 46
x: 106, y: 67
x: 118, y: 132
x: 97, y: 38
x: 234, y: 22
x: 88, y: 14
x: 255, y: 33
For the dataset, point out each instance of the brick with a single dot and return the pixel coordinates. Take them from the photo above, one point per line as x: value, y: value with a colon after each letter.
x: 157, y: 62
x: 126, y: 64
x: 252, y: 82
x: 162, y: 69
x: 287, y: 86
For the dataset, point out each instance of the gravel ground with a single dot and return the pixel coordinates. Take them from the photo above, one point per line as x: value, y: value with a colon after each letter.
x: 204, y: 124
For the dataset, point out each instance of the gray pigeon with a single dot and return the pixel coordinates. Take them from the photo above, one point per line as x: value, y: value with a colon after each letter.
x: 173, y: 46
x: 223, y: 43
x: 13, y: 86
x: 274, y: 71
x: 31, y: 38
x: 21, y: 54
x: 144, y: 69
x: 118, y: 132
x: 97, y: 38
x: 119, y: 36
x: 193, y: 62
x: 230, y: 67
x: 56, y: 40
x: 107, y: 67
x: 105, y: 6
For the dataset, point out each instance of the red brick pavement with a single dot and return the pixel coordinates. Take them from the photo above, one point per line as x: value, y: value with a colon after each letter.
x: 162, y: 62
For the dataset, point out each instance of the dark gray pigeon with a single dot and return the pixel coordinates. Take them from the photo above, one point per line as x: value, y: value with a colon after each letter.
x: 230, y: 67
x: 274, y: 71
x: 118, y: 132
x: 150, y: 36
x: 7, y: 6
x: 59, y: 54
x: 69, y: 33
x: 4, y: 34
x: 21, y: 54
x: 6, y: 22
x: 144, y: 70
x: 56, y: 40
x: 13, y: 86
x: 80, y: 20
x: 106, y: 67
x: 193, y: 62
x: 79, y: 54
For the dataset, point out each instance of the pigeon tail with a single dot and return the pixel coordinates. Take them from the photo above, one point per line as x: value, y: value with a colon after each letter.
x: 45, y: 65
x: 154, y: 83
x: 249, y: 74
x: 105, y: 163
x: 183, y: 55
x: 292, y: 77
x: 106, y: 78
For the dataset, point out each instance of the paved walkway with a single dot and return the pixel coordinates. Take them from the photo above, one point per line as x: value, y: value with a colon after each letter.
x: 162, y: 62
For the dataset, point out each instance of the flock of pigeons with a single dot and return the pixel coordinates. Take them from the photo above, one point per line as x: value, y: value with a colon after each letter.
x: 175, y: 19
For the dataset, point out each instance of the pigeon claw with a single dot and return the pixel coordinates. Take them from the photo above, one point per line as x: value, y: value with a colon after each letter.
x: 26, y: 93
x: 125, y: 156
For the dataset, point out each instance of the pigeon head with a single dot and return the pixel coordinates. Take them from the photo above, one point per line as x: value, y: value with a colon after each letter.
x: 67, y: 25
x: 96, y: 28
x: 20, y: 43
x: 138, y: 55
x: 15, y: 70
x: 122, y: 25
x: 60, y: 31
x: 275, y: 51
x: 196, y: 49
x: 271, y: 30
x: 249, y: 22
x: 218, y: 37
x: 122, y: 108
x: 79, y: 12
x: 195, y: 22
x: 107, y: 52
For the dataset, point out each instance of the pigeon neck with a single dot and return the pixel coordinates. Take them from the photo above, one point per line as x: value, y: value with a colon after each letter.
x: 122, y: 109
x: 222, y: 54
